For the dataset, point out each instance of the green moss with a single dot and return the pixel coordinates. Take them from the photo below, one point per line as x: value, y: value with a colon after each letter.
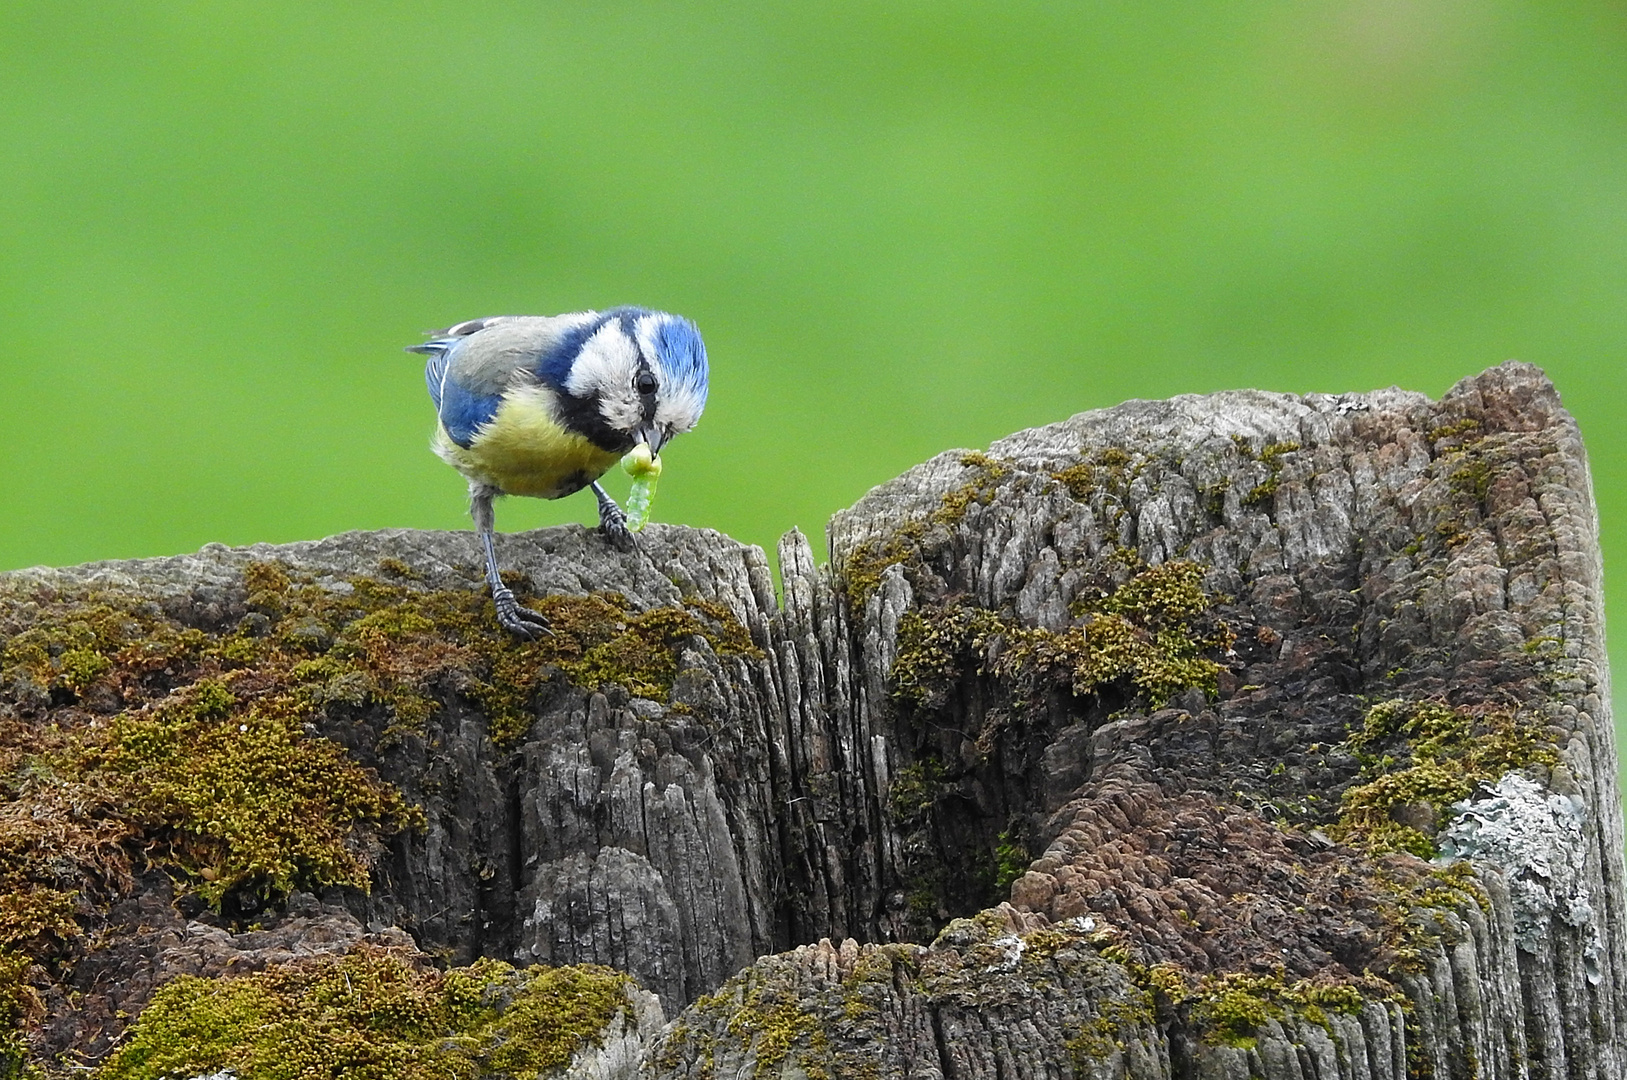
x: 768, y: 1022
x: 1453, y: 429
x: 236, y: 793
x: 1272, y: 453
x: 914, y: 790
x: 1213, y: 496
x: 1108, y: 470
x: 1113, y: 457
x: 79, y: 668
x: 1225, y: 1009
x: 1452, y: 534
x: 1041, y: 945
x: 935, y: 646
x: 642, y: 654
x: 266, y: 584
x: 1454, y: 886
x: 1432, y: 755
x: 56, y: 829
x: 1410, y: 928
x: 1263, y: 492
x: 1167, y: 983
x: 556, y: 1012
x: 20, y: 1005
x: 1080, y: 479
x: 1232, y: 1008
x: 1419, y: 1065
x: 393, y: 643
x: 370, y: 1015
x: 926, y: 895
x: 673, y: 1042
x: 1144, y: 633
x: 771, y: 1029
x: 393, y: 567
x: 82, y: 641
x: 1314, y: 1001
x: 1010, y: 860
x: 1271, y: 456
x: 979, y: 489
x: 1108, y: 1032
x: 1544, y: 645
x: 1472, y: 477
x: 862, y: 568
x: 1229, y: 1008
x: 1163, y: 595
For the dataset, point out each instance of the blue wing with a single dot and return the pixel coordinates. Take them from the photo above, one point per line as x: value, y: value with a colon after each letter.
x: 462, y: 411
x: 471, y: 365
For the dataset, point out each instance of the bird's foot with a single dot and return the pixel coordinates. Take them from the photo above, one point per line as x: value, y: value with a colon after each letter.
x: 613, y: 523
x: 520, y: 621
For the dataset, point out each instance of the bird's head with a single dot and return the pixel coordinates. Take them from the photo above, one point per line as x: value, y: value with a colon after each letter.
x: 644, y: 373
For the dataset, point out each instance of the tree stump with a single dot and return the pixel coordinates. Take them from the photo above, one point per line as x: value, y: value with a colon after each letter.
x: 1247, y: 734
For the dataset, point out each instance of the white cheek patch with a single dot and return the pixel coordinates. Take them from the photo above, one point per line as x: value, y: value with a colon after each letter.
x: 604, y: 370
x: 606, y: 360
x: 679, y: 408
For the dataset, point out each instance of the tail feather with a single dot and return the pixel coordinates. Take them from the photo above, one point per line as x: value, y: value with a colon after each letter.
x: 441, y: 340
x: 471, y: 326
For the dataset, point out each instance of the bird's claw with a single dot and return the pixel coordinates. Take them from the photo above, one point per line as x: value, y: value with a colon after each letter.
x: 520, y: 621
x: 613, y: 523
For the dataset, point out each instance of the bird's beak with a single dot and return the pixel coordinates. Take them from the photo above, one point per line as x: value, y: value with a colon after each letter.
x: 650, y: 434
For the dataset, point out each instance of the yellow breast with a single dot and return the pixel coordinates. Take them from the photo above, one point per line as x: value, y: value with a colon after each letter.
x: 525, y: 451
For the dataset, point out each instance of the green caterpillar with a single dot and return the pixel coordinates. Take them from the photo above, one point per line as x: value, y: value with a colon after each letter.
x: 645, y: 469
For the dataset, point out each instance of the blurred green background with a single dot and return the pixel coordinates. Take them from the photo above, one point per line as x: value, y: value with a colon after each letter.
x: 902, y: 227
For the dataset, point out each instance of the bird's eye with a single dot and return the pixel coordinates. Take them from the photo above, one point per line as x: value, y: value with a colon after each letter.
x: 645, y: 383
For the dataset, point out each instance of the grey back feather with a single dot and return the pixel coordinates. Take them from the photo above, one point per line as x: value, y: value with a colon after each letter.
x: 496, y: 349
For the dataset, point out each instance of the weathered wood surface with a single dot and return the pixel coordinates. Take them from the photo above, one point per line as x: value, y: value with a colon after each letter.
x: 787, y: 804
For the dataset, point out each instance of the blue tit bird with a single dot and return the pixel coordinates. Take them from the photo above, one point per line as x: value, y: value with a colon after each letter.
x: 542, y: 406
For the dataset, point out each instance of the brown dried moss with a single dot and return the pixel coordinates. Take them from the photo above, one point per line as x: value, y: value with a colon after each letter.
x: 129, y: 737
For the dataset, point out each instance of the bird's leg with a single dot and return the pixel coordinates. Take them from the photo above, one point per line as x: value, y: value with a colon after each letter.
x: 517, y: 620
x: 612, y: 522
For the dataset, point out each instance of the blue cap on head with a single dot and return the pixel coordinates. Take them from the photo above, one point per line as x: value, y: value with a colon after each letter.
x: 683, y: 354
